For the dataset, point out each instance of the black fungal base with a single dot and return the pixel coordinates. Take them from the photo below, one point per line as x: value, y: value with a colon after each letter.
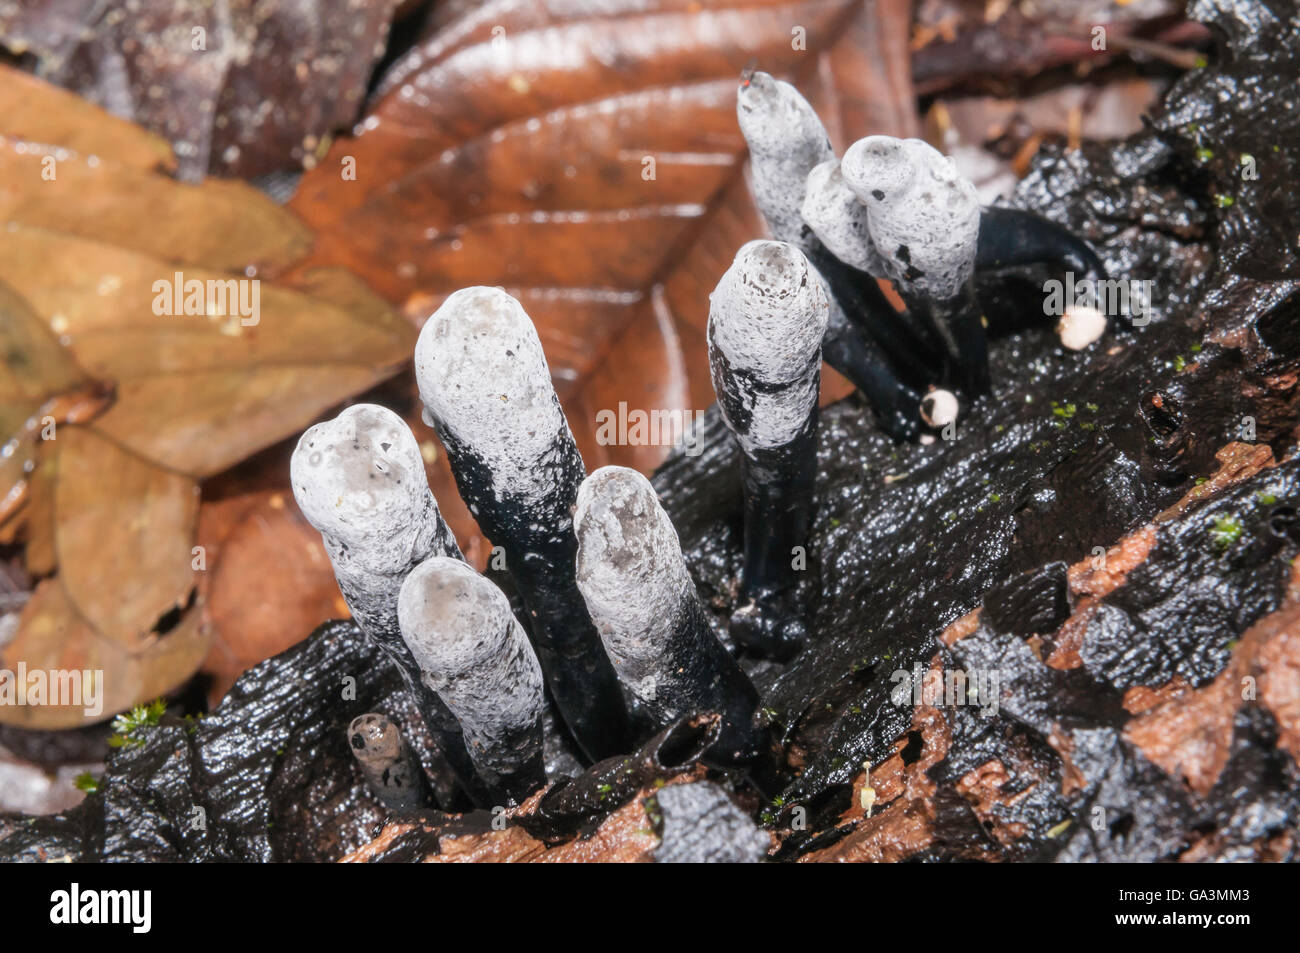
x: 1071, y: 452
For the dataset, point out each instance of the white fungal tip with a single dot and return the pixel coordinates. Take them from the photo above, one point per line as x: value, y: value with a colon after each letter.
x: 1080, y: 326
x: 879, y: 169
x: 374, y: 739
x: 775, y: 119
x: 630, y: 568
x: 769, y: 311
x: 924, y: 215
x: 835, y: 215
x: 470, y: 648
x: 359, y: 477
x: 939, y: 408
x: 452, y: 618
x: 483, y: 376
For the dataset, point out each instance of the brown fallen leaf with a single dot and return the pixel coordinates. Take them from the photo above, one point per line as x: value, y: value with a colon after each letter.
x: 53, y: 636
x: 204, y: 76
x: 226, y: 226
x: 198, y: 393
x: 107, y: 492
x: 40, y: 384
x: 35, y: 111
x: 267, y: 581
x: 115, y: 509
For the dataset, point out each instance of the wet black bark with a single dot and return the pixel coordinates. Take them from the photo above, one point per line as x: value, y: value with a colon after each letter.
x: 1071, y: 451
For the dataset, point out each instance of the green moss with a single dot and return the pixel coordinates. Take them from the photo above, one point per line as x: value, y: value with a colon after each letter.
x: 1226, y: 531
x: 128, y: 725
x: 87, y: 782
x: 1224, y: 201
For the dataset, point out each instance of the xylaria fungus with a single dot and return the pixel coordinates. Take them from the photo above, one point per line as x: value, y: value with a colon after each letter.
x: 786, y: 143
x: 487, y: 390
x: 894, y: 209
x: 766, y: 321
x: 890, y: 209
x: 939, y: 408
x: 634, y: 579
x: 924, y: 220
x: 360, y: 481
x: 472, y: 651
x: 387, y: 762
x: 1080, y: 326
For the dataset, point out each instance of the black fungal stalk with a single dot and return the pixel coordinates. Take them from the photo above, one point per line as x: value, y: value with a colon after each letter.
x: 359, y: 479
x: 473, y: 652
x: 387, y: 762
x: 766, y: 321
x: 634, y: 579
x: 487, y: 389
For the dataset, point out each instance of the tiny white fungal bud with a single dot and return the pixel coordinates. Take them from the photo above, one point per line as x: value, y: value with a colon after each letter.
x: 472, y: 651
x: 924, y: 215
x: 1080, y: 326
x: 386, y: 761
x: 939, y: 408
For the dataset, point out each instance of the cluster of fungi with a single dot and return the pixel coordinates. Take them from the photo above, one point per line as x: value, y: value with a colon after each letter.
x: 612, y: 629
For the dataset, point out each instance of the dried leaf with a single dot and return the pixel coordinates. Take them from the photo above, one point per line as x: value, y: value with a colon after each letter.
x: 100, y: 321
x: 204, y: 75
x: 123, y: 531
x: 198, y: 393
x: 223, y: 225
x: 267, y: 583
x: 39, y: 381
x: 39, y: 112
x: 52, y: 636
